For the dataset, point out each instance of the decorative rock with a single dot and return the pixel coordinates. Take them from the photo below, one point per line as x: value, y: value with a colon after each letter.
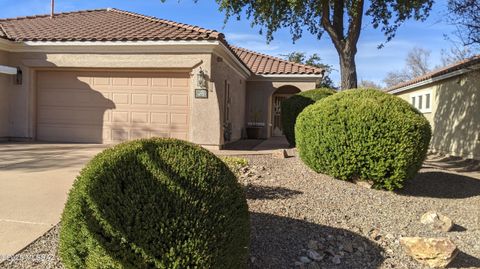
x: 375, y: 234
x: 336, y: 260
x: 280, y: 154
x: 433, y: 252
x: 299, y: 265
x: 313, y: 265
x: 312, y: 244
x: 313, y: 255
x: 363, y: 183
x: 437, y: 221
x: 348, y: 247
x: 305, y: 259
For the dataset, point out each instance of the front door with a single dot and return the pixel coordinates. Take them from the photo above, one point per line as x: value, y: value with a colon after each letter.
x: 277, y: 129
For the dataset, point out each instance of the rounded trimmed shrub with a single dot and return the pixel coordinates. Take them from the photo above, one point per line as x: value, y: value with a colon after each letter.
x: 155, y: 203
x: 364, y: 135
x: 292, y: 107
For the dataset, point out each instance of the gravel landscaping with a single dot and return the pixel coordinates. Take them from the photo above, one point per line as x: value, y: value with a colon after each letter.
x: 301, y: 219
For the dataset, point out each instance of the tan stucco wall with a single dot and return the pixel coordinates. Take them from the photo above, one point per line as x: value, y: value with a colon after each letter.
x: 259, y: 99
x: 455, y: 116
x: 5, y: 81
x: 206, y: 114
x: 22, y: 109
x: 222, y: 72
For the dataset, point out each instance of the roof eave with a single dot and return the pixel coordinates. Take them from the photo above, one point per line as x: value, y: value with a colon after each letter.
x: 287, y: 77
x: 434, y: 79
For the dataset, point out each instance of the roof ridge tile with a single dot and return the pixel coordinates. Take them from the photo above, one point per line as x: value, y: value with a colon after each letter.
x: 48, y: 15
x: 185, y: 26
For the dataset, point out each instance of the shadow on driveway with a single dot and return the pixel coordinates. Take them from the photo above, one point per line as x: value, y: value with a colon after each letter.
x: 36, y: 157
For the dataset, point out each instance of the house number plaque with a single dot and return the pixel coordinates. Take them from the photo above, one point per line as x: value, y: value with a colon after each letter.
x: 201, y: 93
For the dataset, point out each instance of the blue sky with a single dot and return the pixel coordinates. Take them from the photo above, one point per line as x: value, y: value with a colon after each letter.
x: 372, y: 63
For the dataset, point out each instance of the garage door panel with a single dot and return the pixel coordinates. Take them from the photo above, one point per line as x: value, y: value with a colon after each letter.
x: 73, y: 98
x: 179, y: 135
x: 160, y: 82
x: 55, y: 115
x: 179, y: 100
x: 159, y: 99
x: 71, y: 133
x: 140, y: 99
x: 121, y: 98
x: 104, y: 107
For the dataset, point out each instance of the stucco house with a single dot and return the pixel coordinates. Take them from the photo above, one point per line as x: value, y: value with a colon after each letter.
x: 104, y: 76
x: 450, y: 99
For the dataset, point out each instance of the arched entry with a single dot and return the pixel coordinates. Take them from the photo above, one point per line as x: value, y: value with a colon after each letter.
x: 278, y: 97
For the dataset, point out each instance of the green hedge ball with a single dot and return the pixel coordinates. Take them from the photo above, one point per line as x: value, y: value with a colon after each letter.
x: 364, y: 134
x: 155, y: 203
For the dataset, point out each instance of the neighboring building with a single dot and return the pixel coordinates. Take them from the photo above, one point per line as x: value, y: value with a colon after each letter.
x: 450, y: 99
x: 104, y: 76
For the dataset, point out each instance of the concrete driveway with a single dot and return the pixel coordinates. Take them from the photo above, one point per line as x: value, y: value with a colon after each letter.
x: 34, y: 183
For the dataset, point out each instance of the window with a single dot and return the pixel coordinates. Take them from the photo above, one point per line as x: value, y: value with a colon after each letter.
x: 422, y: 101
x: 427, y: 101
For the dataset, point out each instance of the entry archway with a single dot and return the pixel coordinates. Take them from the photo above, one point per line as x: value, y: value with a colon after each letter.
x: 278, y: 97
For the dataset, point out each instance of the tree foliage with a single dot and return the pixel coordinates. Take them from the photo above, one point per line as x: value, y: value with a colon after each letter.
x: 342, y: 20
x: 455, y: 54
x: 465, y: 15
x: 417, y: 63
x: 369, y: 84
x: 313, y: 60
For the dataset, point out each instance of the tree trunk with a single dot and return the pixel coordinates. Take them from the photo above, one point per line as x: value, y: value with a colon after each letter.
x: 348, y: 69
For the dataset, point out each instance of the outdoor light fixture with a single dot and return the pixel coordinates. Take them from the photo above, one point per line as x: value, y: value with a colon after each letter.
x: 19, y: 77
x: 201, y: 80
x: 201, y: 89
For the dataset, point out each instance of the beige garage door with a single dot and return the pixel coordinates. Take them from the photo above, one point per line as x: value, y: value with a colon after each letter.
x: 111, y: 106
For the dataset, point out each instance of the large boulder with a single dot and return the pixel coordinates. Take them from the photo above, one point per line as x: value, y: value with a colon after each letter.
x: 437, y: 221
x: 433, y: 252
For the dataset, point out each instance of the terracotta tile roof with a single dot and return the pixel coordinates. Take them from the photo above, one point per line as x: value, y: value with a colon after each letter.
x: 101, y: 25
x: 269, y: 65
x: 118, y: 25
x: 441, y: 71
x: 2, y: 33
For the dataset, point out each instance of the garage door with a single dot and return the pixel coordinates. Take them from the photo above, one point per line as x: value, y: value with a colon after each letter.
x: 111, y: 106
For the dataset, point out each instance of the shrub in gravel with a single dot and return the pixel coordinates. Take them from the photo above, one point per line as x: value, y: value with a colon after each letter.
x: 155, y: 203
x: 364, y: 135
x: 235, y: 163
x: 292, y: 107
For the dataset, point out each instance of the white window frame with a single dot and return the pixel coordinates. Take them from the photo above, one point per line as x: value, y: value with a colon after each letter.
x: 417, y: 97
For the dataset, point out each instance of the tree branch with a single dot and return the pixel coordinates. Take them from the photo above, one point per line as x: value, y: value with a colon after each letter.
x: 355, y: 25
x: 327, y: 25
x: 338, y: 11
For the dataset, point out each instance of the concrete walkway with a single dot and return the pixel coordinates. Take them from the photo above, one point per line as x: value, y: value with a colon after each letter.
x: 254, y: 147
x: 34, y: 182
